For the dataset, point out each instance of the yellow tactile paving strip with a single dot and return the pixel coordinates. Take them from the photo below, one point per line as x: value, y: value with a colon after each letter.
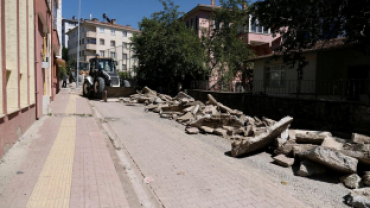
x: 53, y: 186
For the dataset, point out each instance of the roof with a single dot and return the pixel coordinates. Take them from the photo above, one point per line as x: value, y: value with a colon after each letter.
x: 334, y: 43
x: 106, y: 24
x: 202, y: 7
x: 70, y: 20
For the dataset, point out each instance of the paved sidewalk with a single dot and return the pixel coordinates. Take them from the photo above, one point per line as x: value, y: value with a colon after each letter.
x: 185, y: 173
x: 69, y: 165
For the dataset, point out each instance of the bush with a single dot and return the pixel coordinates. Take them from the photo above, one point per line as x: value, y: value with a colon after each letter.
x: 124, y: 75
x: 62, y: 72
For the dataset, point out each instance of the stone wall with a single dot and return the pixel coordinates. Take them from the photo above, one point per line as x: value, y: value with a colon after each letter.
x: 336, y: 116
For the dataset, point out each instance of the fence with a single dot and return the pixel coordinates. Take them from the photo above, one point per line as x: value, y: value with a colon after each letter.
x: 342, y: 89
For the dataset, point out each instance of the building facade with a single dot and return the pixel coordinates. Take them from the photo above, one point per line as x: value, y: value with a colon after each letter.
x: 106, y: 40
x: 57, y: 20
x: 259, y: 38
x: 67, y: 25
x: 334, y: 72
x: 26, y: 40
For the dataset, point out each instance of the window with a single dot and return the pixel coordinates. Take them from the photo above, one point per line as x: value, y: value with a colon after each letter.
x: 102, y: 53
x: 124, y: 67
x: 113, y: 54
x: 191, y: 23
x: 258, y: 27
x: 124, y: 57
x: 113, y: 43
x: 113, y: 32
x: 91, y: 40
x: 275, y: 76
x: 196, y: 23
x: 187, y: 24
x: 216, y: 26
x: 124, y: 33
x: 102, y: 42
x: 253, y: 27
x: 102, y: 30
x: 124, y: 45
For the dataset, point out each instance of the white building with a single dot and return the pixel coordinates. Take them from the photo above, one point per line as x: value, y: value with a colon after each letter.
x: 67, y: 25
x: 105, y: 39
x: 57, y: 20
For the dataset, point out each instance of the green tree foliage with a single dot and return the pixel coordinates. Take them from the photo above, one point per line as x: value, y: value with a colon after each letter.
x: 168, y: 52
x: 62, y: 72
x: 226, y: 47
x: 71, y: 64
x: 304, y: 23
x: 125, y: 75
x: 65, y: 53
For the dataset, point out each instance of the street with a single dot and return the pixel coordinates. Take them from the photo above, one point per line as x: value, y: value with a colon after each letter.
x: 96, y: 154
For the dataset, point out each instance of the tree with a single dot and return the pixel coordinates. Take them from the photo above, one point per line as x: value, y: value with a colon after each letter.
x: 65, y: 53
x: 307, y: 24
x: 168, y: 52
x: 226, y: 49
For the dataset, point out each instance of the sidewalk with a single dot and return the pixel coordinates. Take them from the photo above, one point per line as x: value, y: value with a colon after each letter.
x: 67, y: 166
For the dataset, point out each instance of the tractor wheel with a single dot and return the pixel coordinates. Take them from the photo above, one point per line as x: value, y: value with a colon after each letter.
x: 86, y: 89
x: 99, y: 85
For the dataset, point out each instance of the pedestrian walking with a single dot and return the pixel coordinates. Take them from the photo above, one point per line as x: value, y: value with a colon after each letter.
x: 64, y: 85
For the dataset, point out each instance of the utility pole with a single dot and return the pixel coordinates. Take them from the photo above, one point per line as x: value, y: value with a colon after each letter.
x: 78, y: 41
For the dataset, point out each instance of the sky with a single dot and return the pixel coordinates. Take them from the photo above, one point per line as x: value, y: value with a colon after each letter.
x: 124, y: 11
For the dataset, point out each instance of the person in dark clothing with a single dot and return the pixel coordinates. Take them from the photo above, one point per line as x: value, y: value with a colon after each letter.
x: 64, y: 85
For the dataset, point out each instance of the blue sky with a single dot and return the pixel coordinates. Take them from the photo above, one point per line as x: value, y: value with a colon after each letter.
x: 126, y: 12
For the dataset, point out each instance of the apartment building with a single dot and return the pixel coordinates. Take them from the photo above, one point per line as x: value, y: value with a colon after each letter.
x: 67, y: 25
x: 26, y: 75
x: 259, y: 38
x: 106, y: 39
x: 57, y: 20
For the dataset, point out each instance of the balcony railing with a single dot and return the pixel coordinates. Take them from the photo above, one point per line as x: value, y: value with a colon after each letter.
x: 90, y: 34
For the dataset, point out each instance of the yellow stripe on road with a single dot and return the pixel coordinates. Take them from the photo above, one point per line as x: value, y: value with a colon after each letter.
x: 53, y: 186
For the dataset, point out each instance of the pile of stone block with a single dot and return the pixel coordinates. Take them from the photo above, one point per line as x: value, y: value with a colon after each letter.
x: 247, y: 134
x: 316, y: 151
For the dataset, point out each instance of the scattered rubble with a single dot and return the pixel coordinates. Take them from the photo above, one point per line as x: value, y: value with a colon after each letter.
x: 316, y: 151
x: 309, y: 168
x: 359, y: 198
x: 351, y: 181
x: 284, y: 161
x: 366, y: 178
x: 360, y: 139
x: 331, y: 159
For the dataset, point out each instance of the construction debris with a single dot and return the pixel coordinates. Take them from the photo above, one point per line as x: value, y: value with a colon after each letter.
x: 331, y: 159
x: 359, y: 198
x: 309, y: 168
x: 317, y: 151
x: 284, y: 161
x: 360, y: 139
x: 351, y: 181
x: 310, y: 138
x: 250, y: 144
x: 366, y: 178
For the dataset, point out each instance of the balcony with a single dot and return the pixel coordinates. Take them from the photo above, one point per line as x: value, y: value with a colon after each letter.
x: 90, y: 34
x: 90, y: 46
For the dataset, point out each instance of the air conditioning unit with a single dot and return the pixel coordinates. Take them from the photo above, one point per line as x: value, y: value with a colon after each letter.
x: 46, y: 63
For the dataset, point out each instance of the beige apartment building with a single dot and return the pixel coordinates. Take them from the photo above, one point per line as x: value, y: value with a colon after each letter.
x: 105, y: 39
